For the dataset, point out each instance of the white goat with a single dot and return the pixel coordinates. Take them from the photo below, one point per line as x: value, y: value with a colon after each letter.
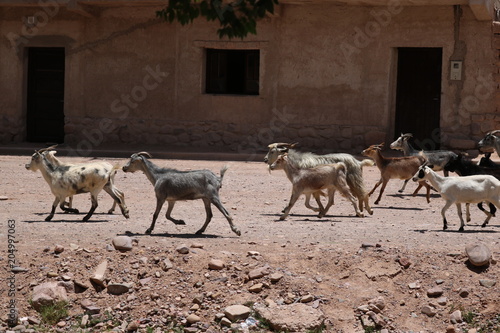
x: 173, y: 185
x: 458, y: 190
x: 66, y: 181
x: 50, y: 155
x: 330, y: 177
x: 490, y: 142
x: 395, y: 168
x: 354, y: 168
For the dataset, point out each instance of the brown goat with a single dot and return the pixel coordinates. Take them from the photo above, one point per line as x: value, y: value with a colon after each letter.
x: 395, y: 168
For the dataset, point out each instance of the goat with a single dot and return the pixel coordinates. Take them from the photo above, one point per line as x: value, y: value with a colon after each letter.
x: 395, y: 168
x: 354, y: 171
x: 68, y: 180
x: 490, y: 142
x: 328, y: 177
x: 50, y: 155
x: 464, y: 167
x: 487, y: 162
x: 458, y: 190
x: 437, y: 158
x: 172, y: 185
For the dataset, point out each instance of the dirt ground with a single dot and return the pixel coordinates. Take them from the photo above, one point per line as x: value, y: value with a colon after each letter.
x: 341, y: 260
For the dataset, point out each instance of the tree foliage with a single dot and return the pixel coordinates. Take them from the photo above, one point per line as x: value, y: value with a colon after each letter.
x: 236, y: 18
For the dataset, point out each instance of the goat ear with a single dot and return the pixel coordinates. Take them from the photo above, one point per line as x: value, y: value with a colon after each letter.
x: 430, y: 166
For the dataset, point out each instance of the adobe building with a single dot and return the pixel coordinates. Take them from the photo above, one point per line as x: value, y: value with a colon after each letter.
x: 335, y: 76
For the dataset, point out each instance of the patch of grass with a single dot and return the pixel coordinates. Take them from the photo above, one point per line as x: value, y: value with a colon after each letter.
x: 468, y: 317
x: 52, y: 314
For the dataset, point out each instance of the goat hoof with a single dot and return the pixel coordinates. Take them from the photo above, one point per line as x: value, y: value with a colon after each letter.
x: 461, y: 229
x: 199, y: 232
x: 483, y: 225
x: 48, y: 218
x: 282, y: 218
x: 237, y: 231
x: 401, y: 191
x: 111, y: 211
x: 445, y: 227
x: 148, y: 232
x: 179, y: 222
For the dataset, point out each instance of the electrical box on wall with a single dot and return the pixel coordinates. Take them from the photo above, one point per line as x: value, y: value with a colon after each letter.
x: 456, y: 70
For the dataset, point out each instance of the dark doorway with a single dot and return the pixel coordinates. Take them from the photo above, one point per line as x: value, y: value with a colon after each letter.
x: 45, y: 104
x: 418, y: 95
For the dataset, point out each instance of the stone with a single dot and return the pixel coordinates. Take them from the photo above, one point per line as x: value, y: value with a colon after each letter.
x: 226, y: 322
x: 100, y: 273
x: 197, y: 246
x: 216, y: 264
x: 85, y: 321
x: 118, y: 288
x: 296, y: 317
x: 192, y: 318
x: 237, y: 312
x: 275, y: 277
x: 379, y: 302
x: 307, y: 298
x: 132, y: 326
x: 405, y: 262
x: 256, y: 288
x: 58, y: 249
x: 442, y: 300
x: 19, y: 269
x: 451, y: 329
x: 414, y: 285
x: 48, y: 294
x: 182, y: 249
x: 479, y: 254
x: 428, y: 310
x: 166, y: 264
x: 463, y: 293
x: 3, y: 197
x: 258, y: 273
x: 487, y: 283
x: 456, y: 317
x: 122, y: 243
x: 435, y: 292
x: 379, y: 322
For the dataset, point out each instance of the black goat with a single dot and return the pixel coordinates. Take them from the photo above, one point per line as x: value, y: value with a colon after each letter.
x: 487, y: 162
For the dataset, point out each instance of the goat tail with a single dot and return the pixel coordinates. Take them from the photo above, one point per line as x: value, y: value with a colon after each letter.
x: 341, y: 166
x: 222, y: 172
x: 367, y: 162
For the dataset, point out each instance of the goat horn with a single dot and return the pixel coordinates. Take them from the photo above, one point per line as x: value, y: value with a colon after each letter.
x: 494, y: 132
x: 407, y: 135
x: 46, y: 149
x: 144, y: 153
x: 282, y: 144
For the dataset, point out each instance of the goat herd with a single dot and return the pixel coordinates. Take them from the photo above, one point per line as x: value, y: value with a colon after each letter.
x: 309, y: 173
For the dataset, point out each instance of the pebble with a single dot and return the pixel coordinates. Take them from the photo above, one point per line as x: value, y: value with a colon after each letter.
x: 58, y: 249
x: 100, y: 273
x: 3, y: 197
x: 414, y: 285
x: 428, y: 310
x: 197, y: 246
x: 456, y: 317
x: 450, y: 329
x: 434, y: 292
x: 133, y: 326
x: 442, y: 300
x: 85, y: 321
x: 182, y: 249
x: 256, y: 288
x: 122, y: 243
x: 216, y: 264
x: 275, y: 277
x: 307, y: 298
x: 258, y: 273
x: 463, y: 293
x: 487, y: 283
x: 405, y: 262
x: 237, y: 312
x: 192, y: 318
x: 118, y: 288
x: 18, y: 269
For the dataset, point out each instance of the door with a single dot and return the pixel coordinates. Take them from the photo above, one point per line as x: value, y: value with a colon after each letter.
x: 45, y: 104
x: 418, y: 95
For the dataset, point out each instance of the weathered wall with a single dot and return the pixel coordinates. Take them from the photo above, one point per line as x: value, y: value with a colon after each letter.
x: 327, y: 77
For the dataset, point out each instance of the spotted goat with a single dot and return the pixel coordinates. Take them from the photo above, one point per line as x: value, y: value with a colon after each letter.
x: 68, y: 180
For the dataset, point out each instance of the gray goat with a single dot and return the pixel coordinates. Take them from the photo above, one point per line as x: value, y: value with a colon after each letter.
x: 172, y: 185
x: 490, y: 142
x: 437, y: 158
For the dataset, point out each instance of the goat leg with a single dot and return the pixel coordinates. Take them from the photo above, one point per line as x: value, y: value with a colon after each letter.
x: 208, y: 211
x: 118, y: 197
x: 404, y: 186
x: 218, y: 204
x: 53, y: 210
x: 459, y: 212
x: 170, y: 218
x: 308, y: 205
x: 293, y: 199
x: 159, y: 204
x: 380, y: 193
x: 324, y: 210
x: 93, y: 198
x: 443, y: 212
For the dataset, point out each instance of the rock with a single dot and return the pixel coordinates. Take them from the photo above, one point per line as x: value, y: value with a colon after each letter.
x: 166, y: 264
x: 61, y: 324
x: 92, y: 309
x: 256, y: 288
x: 253, y: 254
x: 3, y: 197
x: 451, y: 329
x: 197, y: 246
x: 479, y: 254
x: 85, y: 321
x: 275, y: 277
x: 118, y: 288
x: 34, y: 321
x: 192, y: 318
x: 182, y: 249
x: 405, y: 262
x: 48, y: 294
x: 145, y: 281
x: 19, y: 269
x: 258, y: 273
x: 379, y: 302
x: 414, y: 285
x: 133, y: 326
x: 225, y: 322
x: 100, y: 273
x: 58, y: 249
x: 307, y: 298
x: 463, y: 293
x: 296, y: 317
x: 216, y: 264
x: 428, y: 310
x: 456, y: 317
x: 237, y: 312
x: 442, y: 300
x: 487, y: 283
x: 379, y: 322
x: 434, y: 292
x: 122, y: 243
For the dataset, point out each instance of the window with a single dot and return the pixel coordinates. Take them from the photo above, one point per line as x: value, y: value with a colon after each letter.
x: 232, y: 72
